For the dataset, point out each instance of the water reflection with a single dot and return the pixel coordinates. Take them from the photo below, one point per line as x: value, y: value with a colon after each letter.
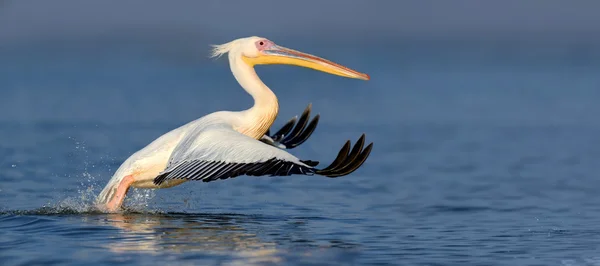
x: 160, y: 237
x: 204, y: 234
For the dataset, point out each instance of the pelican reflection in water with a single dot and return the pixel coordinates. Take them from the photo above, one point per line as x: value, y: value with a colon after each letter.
x: 228, y: 144
x: 234, y: 236
x: 205, y: 234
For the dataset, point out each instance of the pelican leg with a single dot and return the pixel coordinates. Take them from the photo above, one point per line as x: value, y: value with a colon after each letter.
x: 117, y: 200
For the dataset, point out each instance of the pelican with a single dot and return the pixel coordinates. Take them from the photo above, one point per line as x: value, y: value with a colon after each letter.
x: 228, y: 144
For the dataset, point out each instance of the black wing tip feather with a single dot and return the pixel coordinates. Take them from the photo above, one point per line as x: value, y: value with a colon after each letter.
x: 303, y: 134
x: 297, y: 130
x: 284, y: 130
x: 348, y: 160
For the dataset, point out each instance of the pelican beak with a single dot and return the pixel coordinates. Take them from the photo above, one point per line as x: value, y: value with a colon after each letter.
x: 280, y: 55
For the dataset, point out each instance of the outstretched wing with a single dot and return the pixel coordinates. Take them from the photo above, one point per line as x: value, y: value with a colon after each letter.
x: 219, y: 152
x: 290, y: 136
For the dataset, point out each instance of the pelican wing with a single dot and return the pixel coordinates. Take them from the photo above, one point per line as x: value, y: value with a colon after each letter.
x: 294, y: 132
x: 220, y: 152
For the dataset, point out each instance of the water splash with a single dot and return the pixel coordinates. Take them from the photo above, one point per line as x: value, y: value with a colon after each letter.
x: 90, y: 185
x: 140, y: 199
x: 137, y: 201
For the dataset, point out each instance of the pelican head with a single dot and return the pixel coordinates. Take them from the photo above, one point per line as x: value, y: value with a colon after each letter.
x: 262, y: 51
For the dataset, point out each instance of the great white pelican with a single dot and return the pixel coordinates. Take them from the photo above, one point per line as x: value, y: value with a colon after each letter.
x: 228, y: 144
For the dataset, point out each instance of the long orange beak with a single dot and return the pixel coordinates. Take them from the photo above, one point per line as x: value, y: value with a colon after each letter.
x: 281, y: 55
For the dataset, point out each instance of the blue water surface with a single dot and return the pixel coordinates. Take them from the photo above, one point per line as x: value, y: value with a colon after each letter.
x: 486, y: 153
